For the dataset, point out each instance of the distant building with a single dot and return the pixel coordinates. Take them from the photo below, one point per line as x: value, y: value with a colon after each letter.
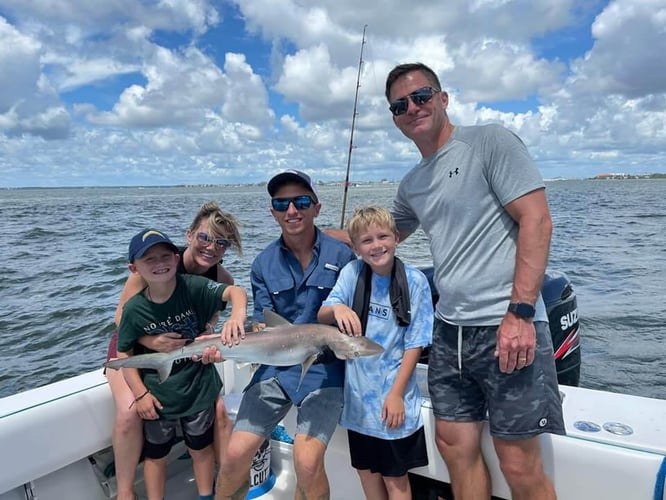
x: 612, y: 176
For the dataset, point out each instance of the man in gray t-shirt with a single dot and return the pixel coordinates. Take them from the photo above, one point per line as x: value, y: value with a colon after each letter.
x: 481, y: 201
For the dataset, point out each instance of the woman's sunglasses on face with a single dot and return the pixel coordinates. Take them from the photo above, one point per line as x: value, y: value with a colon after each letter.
x: 301, y: 202
x: 220, y: 243
x: 418, y: 97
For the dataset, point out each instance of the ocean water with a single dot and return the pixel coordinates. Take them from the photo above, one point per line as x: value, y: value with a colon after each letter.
x: 65, y: 262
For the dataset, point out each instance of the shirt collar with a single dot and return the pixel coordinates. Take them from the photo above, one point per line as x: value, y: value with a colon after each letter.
x: 315, y: 248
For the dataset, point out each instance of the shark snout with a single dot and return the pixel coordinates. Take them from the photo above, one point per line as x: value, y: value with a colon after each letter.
x: 370, y: 348
x: 363, y: 346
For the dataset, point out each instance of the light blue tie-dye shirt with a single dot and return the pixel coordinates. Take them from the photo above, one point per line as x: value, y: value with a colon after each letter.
x: 369, y: 379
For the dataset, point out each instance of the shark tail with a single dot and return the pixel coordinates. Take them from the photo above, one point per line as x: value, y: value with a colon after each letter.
x: 158, y: 361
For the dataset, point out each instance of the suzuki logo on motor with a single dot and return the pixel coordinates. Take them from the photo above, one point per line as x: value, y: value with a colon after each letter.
x: 569, y: 319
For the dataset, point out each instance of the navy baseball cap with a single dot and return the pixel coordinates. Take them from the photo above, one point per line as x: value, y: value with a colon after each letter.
x: 292, y: 177
x: 146, y: 239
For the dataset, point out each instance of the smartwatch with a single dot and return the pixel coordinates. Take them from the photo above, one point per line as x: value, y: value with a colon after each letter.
x: 522, y: 310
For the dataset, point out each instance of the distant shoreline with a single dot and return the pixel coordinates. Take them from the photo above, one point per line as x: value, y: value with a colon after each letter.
x: 598, y: 177
x: 187, y: 186
x: 614, y: 177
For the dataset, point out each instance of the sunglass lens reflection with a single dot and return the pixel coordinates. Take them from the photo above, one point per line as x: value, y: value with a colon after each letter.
x: 300, y: 203
x: 418, y: 97
x: 205, y: 238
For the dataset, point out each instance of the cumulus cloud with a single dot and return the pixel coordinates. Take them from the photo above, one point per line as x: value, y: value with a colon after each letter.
x: 186, y: 91
x: 28, y: 103
x: 178, y: 87
x: 626, y: 58
x: 502, y: 71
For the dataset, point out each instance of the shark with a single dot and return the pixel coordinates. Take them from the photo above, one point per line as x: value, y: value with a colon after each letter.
x: 280, y: 343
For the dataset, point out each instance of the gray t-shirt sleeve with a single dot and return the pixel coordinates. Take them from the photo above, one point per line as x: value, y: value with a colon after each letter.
x: 405, y: 219
x: 509, y: 168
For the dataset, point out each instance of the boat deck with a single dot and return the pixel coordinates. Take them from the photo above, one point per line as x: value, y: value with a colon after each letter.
x: 55, y: 443
x: 181, y: 486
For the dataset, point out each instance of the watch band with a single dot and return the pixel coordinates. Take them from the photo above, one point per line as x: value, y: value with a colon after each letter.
x: 522, y: 309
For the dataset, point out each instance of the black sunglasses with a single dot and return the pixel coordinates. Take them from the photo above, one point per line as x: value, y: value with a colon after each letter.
x: 301, y: 202
x: 220, y: 243
x: 418, y: 97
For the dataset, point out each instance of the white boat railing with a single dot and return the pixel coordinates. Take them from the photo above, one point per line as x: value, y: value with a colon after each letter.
x: 615, y: 446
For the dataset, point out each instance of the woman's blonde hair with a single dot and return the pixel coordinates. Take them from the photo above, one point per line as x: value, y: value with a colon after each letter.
x: 364, y: 217
x: 219, y: 222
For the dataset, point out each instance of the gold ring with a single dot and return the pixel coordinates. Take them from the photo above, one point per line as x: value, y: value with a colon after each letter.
x: 522, y: 359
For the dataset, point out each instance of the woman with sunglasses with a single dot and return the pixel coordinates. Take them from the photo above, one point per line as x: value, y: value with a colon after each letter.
x: 210, y: 234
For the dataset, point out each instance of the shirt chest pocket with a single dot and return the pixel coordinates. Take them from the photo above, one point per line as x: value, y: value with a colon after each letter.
x: 277, y: 286
x: 323, y: 281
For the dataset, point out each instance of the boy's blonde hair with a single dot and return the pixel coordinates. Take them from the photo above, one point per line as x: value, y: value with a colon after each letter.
x: 219, y: 222
x: 364, y: 217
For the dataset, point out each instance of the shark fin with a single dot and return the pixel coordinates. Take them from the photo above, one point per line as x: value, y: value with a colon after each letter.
x: 164, y: 370
x: 305, y: 367
x: 272, y: 318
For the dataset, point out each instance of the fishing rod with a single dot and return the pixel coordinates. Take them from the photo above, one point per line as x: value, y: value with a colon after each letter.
x: 351, y: 135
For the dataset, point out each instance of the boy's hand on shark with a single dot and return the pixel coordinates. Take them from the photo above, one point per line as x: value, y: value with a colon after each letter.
x: 209, y: 354
x: 232, y: 333
x: 347, y: 320
x: 233, y: 330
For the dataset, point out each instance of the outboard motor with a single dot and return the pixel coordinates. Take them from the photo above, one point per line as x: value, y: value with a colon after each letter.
x: 562, y: 309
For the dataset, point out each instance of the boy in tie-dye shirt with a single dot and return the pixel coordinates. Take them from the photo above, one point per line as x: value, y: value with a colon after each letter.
x: 389, y: 302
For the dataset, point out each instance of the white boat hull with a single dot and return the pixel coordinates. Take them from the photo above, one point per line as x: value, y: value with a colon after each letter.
x: 48, y: 436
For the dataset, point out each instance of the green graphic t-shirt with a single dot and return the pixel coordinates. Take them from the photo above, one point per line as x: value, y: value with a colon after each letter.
x: 191, y: 387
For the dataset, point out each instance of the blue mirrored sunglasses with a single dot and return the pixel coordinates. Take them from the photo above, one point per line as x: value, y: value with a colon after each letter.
x: 418, y: 97
x: 220, y: 243
x: 301, y: 202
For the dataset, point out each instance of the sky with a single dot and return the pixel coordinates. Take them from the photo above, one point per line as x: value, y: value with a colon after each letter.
x: 171, y: 92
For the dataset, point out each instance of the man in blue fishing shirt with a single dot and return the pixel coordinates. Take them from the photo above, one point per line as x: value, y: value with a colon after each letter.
x: 292, y: 277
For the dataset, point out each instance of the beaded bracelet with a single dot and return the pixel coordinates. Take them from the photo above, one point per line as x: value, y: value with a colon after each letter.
x: 140, y: 397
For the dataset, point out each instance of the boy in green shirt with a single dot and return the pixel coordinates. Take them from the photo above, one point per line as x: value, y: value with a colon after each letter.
x: 180, y: 304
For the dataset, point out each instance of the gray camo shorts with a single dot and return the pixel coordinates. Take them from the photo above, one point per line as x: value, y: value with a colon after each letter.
x: 264, y: 404
x: 518, y: 405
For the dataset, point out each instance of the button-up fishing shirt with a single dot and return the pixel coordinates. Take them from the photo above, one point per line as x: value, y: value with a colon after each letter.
x: 280, y: 284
